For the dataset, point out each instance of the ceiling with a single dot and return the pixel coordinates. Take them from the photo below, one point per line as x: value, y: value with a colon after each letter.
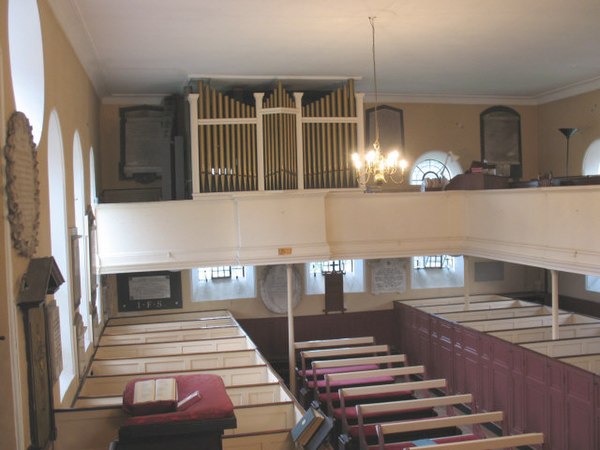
x: 517, y: 50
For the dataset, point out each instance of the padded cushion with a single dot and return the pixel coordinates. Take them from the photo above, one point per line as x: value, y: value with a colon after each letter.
x: 146, y: 408
x: 214, y: 404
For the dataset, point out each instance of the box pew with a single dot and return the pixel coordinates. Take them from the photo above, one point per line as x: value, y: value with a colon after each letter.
x: 187, y: 362
x: 453, y: 300
x: 257, y: 394
x: 168, y: 317
x: 345, y: 414
x: 520, y: 336
x: 591, y: 363
x: 168, y: 326
x: 174, y: 348
x: 494, y: 314
x: 369, y: 415
x: 393, y: 430
x: 501, y: 304
x: 277, y: 440
x: 95, y: 428
x: 566, y: 347
x: 330, y: 396
x: 114, y: 385
x: 171, y: 336
x: 526, y: 322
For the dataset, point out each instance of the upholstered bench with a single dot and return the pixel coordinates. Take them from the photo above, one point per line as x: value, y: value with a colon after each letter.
x: 199, y: 424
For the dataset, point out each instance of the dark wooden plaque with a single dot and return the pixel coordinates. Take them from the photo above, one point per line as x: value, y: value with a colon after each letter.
x: 334, y: 292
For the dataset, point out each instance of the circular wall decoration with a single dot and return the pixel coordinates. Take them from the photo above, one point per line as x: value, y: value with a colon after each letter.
x: 273, y: 288
x: 22, y: 185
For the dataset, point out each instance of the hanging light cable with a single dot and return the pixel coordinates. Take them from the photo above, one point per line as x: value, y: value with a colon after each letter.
x: 374, y: 165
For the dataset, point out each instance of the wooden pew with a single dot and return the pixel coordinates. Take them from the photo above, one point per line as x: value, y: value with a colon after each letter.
x: 322, y: 367
x: 566, y: 347
x: 187, y: 362
x: 524, y: 335
x: 174, y: 348
x: 110, y: 386
x: 527, y: 322
x: 350, y: 397
x: 494, y: 314
x: 501, y: 304
x: 168, y: 317
x: 336, y: 381
x: 442, y: 301
x: 370, y: 414
x: 410, y: 427
x: 168, y: 326
x: 308, y: 356
x: 514, y: 441
x: 171, y: 336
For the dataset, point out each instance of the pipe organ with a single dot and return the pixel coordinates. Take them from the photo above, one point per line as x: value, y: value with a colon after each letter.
x: 279, y: 143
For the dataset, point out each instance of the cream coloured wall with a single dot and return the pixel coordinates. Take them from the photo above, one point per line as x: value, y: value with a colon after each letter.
x: 69, y: 91
x: 581, y: 111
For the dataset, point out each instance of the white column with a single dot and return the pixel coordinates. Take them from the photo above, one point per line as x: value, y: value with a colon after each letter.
x: 467, y: 280
x: 360, y: 132
x: 194, y: 145
x: 260, y: 148
x: 299, y: 140
x: 292, y: 356
x: 555, y: 331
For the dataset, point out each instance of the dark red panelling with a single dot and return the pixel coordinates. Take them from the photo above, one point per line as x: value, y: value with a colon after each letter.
x: 555, y: 391
x: 518, y: 390
x: 580, y: 408
x: 535, y: 393
x: 270, y: 334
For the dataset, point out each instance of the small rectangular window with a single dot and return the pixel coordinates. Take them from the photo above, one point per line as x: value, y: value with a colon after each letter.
x: 592, y: 283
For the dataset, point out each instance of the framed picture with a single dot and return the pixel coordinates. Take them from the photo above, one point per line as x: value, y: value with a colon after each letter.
x: 144, y: 291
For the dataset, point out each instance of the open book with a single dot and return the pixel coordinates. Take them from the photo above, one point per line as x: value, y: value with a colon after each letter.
x: 163, y: 389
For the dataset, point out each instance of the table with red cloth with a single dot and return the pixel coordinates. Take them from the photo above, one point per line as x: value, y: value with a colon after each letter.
x: 199, y: 425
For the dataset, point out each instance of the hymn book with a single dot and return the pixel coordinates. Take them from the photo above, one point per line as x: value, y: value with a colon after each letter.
x: 307, y: 426
x: 163, y: 389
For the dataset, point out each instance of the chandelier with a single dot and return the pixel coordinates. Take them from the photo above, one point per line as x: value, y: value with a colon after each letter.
x: 374, y: 165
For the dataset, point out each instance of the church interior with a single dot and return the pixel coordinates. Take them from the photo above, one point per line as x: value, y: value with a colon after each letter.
x: 347, y: 224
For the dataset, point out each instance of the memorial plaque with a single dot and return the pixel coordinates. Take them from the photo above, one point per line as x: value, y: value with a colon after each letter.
x: 273, y: 288
x: 388, y: 276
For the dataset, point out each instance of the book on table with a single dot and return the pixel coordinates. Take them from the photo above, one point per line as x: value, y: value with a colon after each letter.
x: 162, y: 389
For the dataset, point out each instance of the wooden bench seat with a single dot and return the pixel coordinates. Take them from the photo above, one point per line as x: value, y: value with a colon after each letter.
x: 526, y: 322
x: 388, y: 432
x: 369, y: 415
x: 346, y: 414
x: 174, y: 348
x: 330, y: 397
x: 189, y: 361
x: 514, y: 441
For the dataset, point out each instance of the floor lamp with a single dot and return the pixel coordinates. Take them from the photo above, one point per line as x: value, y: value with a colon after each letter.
x: 568, y: 132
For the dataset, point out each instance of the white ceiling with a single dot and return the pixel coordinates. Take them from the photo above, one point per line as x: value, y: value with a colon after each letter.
x: 523, y: 50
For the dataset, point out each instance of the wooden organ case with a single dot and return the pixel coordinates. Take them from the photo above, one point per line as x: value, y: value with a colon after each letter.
x: 278, y: 143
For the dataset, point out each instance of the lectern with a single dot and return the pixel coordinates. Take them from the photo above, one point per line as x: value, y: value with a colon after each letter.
x: 43, y: 277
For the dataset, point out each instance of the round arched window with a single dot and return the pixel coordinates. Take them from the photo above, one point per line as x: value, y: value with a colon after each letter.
x: 27, y: 61
x: 591, y: 159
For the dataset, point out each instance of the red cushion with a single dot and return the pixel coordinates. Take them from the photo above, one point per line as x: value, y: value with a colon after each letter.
x: 146, y: 408
x: 214, y: 402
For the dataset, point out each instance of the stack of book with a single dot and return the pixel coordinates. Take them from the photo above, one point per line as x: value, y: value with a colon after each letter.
x: 312, y: 430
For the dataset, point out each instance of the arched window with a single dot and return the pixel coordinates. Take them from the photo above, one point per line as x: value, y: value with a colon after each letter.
x: 591, y: 159
x: 60, y: 247
x: 94, y: 278
x: 27, y: 61
x: 81, y: 237
x: 435, y: 164
x: 501, y: 140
